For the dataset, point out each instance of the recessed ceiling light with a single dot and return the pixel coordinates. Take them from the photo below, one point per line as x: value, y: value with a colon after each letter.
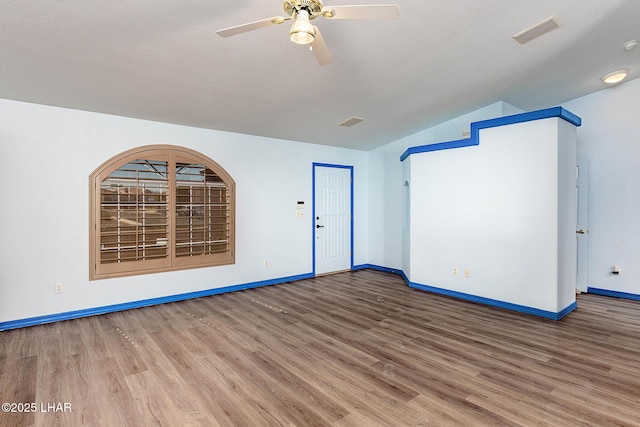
x: 615, y: 76
x: 630, y: 44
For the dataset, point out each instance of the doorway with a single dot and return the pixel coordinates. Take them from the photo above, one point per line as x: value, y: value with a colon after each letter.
x: 582, y: 227
x: 332, y: 218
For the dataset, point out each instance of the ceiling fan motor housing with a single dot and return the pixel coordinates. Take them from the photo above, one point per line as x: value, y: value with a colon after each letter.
x: 292, y: 7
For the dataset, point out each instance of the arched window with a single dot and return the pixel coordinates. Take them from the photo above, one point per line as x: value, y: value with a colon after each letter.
x: 160, y: 208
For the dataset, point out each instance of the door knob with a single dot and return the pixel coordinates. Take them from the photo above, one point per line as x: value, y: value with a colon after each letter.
x: 319, y: 226
x: 581, y: 231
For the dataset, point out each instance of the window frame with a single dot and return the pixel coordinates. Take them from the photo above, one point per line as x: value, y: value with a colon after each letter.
x: 172, y: 155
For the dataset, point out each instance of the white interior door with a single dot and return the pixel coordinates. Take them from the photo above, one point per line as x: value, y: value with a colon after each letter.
x: 332, y: 218
x: 582, y: 228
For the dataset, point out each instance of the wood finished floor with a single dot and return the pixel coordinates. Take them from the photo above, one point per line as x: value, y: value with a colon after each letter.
x: 353, y: 349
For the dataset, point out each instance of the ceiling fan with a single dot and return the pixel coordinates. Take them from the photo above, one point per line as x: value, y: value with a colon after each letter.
x: 303, y: 11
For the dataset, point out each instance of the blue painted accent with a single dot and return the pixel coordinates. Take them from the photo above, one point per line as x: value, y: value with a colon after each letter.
x: 313, y: 219
x: 496, y: 303
x: 439, y: 146
x: 568, y: 309
x: 474, y: 137
x: 406, y: 278
x: 144, y: 303
x: 313, y: 209
x: 473, y: 298
x: 40, y: 320
x: 616, y: 294
x: 377, y: 268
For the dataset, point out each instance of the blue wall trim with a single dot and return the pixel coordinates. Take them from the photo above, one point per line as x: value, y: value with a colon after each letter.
x: 615, y: 294
x: 473, y: 298
x: 500, y: 121
x: 439, y: 146
x: 496, y: 303
x: 69, y: 315
x: 144, y: 303
x: 313, y: 210
x: 378, y: 268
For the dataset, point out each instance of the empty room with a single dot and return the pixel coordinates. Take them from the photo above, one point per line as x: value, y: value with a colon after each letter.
x: 319, y: 213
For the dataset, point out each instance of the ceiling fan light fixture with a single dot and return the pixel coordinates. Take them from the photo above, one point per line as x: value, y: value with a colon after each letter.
x: 615, y: 77
x: 302, y: 31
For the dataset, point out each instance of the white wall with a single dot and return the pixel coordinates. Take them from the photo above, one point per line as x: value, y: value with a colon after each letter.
x: 386, y: 178
x: 493, y: 209
x: 46, y: 157
x: 610, y: 138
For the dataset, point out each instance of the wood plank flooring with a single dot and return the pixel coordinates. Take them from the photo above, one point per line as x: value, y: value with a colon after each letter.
x: 353, y: 349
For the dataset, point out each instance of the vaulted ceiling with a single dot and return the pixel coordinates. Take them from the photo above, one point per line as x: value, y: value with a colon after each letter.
x: 162, y: 60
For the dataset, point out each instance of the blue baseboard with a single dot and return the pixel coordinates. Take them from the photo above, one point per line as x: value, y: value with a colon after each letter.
x: 40, y: 320
x: 377, y: 268
x: 57, y: 317
x: 616, y: 294
x: 497, y: 303
x: 474, y: 298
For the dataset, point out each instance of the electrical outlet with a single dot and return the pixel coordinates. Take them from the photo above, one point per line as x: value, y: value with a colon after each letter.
x: 266, y: 263
x: 467, y: 273
x: 455, y: 271
x: 59, y: 288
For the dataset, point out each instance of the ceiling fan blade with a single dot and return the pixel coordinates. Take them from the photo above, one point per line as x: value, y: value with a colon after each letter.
x: 244, y: 28
x: 388, y: 12
x: 320, y: 49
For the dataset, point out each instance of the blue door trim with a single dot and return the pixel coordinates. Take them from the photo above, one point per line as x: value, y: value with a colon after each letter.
x: 313, y: 211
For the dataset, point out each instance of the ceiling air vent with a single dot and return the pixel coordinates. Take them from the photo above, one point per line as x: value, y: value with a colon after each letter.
x: 537, y: 30
x: 352, y: 121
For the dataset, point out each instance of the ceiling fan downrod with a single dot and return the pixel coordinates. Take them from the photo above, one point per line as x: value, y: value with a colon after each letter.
x: 313, y: 7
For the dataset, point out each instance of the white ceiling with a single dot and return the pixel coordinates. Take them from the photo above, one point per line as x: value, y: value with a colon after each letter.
x: 162, y: 60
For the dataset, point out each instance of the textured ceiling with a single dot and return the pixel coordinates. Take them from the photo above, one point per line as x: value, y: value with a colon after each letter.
x: 162, y: 60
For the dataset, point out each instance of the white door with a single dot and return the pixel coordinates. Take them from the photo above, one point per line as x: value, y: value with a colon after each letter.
x: 332, y: 218
x: 582, y: 228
